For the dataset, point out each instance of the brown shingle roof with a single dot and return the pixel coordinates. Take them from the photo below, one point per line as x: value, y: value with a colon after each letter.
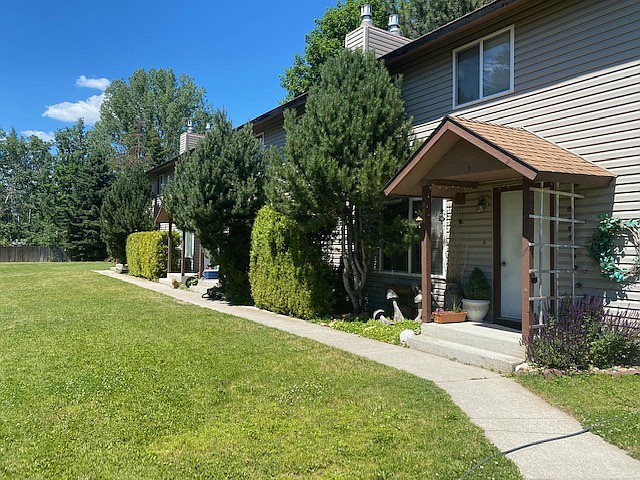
x: 521, y: 151
x: 531, y: 150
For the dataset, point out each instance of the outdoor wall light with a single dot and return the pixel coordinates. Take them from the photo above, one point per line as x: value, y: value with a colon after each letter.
x: 481, y: 206
x: 419, y: 219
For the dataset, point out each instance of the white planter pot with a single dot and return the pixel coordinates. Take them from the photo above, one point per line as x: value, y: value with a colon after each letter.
x: 476, y: 309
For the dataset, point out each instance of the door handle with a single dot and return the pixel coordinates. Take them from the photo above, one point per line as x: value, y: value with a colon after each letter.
x: 503, y: 263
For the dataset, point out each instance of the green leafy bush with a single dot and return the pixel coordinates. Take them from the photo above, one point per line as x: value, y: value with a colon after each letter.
x: 477, y: 288
x: 147, y: 253
x: 287, y: 271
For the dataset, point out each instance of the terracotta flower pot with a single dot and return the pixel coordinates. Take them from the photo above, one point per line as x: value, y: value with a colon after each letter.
x: 449, y: 317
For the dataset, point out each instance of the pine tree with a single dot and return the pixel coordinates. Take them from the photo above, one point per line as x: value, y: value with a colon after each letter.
x: 216, y: 193
x: 80, y: 176
x: 339, y: 155
x: 126, y: 208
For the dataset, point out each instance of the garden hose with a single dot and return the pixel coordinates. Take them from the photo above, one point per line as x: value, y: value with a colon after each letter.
x: 506, y: 452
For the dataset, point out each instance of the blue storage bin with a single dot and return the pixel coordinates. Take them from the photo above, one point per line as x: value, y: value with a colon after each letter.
x: 211, y: 274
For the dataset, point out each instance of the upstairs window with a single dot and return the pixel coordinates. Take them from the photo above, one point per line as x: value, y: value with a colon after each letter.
x: 484, y: 68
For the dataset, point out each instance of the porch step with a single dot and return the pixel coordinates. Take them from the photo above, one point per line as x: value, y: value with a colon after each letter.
x: 485, y: 336
x: 497, y: 362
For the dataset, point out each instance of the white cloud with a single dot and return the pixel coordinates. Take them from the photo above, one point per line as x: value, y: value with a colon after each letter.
x: 97, y: 83
x: 88, y: 109
x: 46, y: 136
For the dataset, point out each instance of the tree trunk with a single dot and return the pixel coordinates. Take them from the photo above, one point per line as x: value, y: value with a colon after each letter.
x: 354, y: 260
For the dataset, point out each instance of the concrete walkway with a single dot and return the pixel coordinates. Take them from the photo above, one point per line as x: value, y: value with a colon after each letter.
x: 509, y: 414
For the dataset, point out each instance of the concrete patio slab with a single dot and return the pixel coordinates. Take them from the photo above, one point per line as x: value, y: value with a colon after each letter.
x: 509, y: 414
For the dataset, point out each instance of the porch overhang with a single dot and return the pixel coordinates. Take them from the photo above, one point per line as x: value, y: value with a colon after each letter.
x: 162, y: 216
x: 461, y: 153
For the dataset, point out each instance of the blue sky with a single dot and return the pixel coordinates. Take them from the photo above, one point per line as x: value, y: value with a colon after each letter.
x: 58, y: 56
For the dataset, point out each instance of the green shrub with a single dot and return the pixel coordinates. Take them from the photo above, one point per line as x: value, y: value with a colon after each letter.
x: 585, y: 333
x: 287, y: 272
x: 477, y: 288
x: 147, y: 254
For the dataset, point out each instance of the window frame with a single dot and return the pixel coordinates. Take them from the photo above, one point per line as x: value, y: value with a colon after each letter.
x: 445, y: 241
x: 480, y: 42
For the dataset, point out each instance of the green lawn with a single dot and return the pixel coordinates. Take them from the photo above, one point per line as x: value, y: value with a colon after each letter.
x: 592, y: 398
x: 101, y: 379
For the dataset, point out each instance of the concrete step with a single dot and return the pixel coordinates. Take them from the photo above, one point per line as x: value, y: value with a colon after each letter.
x: 478, y: 335
x: 465, y: 354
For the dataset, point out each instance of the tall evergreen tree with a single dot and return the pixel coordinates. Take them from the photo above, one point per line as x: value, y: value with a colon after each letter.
x: 216, y: 193
x: 126, y: 208
x: 339, y: 155
x: 81, y: 175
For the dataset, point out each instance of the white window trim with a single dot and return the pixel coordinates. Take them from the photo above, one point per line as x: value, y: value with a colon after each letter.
x: 260, y: 138
x: 480, y: 42
x: 445, y: 239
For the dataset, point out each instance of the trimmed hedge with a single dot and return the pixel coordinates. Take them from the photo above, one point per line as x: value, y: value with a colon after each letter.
x: 287, y: 272
x: 147, y: 254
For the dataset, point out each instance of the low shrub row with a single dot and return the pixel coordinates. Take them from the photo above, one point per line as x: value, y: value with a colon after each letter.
x: 288, y: 273
x: 147, y: 253
x: 585, y: 334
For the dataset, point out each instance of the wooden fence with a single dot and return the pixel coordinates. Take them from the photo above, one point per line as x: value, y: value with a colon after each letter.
x: 33, y: 254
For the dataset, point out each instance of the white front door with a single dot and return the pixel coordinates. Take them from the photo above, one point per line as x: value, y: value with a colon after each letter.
x: 511, y: 254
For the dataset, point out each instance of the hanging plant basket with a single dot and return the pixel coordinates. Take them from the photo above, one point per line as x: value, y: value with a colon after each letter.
x: 604, y: 248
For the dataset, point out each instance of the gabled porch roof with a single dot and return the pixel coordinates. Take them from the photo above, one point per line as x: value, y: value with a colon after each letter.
x: 464, y: 152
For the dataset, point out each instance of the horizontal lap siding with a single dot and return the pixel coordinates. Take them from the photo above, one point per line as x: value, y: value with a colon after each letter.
x: 577, y: 84
x: 382, y: 42
x: 274, y: 135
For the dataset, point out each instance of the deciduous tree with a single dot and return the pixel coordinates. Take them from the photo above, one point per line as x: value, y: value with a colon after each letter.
x: 25, y: 190
x: 326, y: 40
x: 419, y: 17
x: 142, y: 118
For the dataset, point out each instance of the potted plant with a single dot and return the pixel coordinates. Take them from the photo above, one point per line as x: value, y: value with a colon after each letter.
x: 455, y: 314
x: 477, y: 295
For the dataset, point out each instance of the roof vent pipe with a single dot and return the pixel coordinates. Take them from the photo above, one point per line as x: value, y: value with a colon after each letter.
x: 189, y: 127
x: 365, y: 13
x: 394, y: 24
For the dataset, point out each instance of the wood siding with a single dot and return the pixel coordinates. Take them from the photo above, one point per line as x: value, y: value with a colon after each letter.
x: 382, y: 42
x: 576, y: 84
x: 274, y: 135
